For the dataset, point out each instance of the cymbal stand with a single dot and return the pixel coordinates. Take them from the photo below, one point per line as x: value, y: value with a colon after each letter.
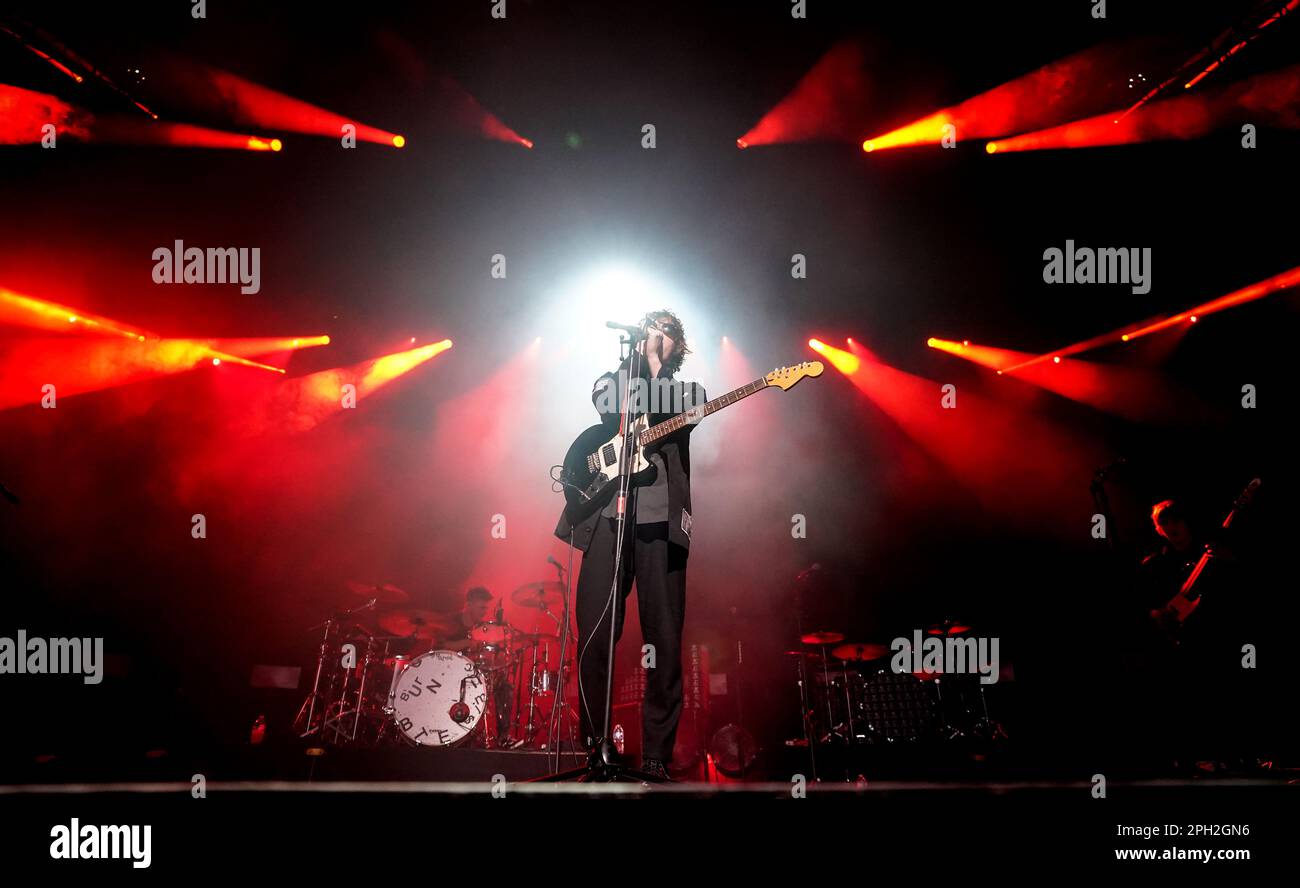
x: 309, y: 726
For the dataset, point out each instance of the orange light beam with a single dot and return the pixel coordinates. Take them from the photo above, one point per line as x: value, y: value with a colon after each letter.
x: 78, y: 365
x: 389, y: 367
x: 986, y: 356
x: 845, y: 362
x: 253, y: 347
x: 27, y: 311
x: 303, y: 403
x: 220, y: 357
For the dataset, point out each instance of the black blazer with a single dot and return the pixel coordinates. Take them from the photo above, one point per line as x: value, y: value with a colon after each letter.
x: 676, y: 451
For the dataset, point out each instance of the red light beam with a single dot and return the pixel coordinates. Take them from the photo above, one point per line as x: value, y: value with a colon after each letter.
x: 1271, y: 99
x: 1062, y: 90
x: 1277, y: 283
x: 458, y: 111
x: 825, y: 104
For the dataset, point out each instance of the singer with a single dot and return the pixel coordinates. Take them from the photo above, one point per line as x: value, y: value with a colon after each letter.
x: 655, y: 547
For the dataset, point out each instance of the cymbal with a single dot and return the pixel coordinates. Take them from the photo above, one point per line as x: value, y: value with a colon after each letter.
x: 947, y: 627
x: 860, y: 651
x: 387, y: 593
x: 414, y: 622
x: 822, y: 638
x: 548, y: 593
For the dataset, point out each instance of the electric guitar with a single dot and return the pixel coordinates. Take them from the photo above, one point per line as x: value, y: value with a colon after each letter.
x: 592, y: 466
x: 1188, y: 598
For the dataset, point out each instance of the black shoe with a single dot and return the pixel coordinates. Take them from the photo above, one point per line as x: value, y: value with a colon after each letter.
x: 655, y: 768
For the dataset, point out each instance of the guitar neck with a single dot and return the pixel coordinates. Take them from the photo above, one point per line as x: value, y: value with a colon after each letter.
x: 668, y: 426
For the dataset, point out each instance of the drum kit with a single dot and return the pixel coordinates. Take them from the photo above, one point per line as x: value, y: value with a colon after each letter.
x: 849, y: 695
x: 389, y: 673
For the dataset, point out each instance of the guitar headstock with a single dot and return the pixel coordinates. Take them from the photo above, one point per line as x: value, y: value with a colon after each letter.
x: 1248, y: 494
x: 785, y: 378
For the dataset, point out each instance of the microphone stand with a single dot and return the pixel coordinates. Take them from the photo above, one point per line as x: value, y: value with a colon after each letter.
x: 603, y: 763
x: 560, y: 709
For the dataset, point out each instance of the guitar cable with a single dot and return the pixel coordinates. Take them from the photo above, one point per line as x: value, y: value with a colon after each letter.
x: 558, y: 483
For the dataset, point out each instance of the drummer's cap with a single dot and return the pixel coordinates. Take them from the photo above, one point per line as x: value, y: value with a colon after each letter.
x: 478, y: 593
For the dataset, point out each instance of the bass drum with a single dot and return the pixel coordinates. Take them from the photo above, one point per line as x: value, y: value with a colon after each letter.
x: 438, y: 699
x: 896, y: 707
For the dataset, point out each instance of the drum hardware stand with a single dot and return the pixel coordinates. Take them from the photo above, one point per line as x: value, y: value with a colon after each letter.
x: 740, y: 706
x: 603, y: 764
x: 540, y: 681
x: 305, y: 721
x: 805, y: 713
x: 560, y: 713
x: 361, y: 688
x: 308, y: 708
x: 844, y: 730
x: 992, y: 730
x: 335, y: 722
x: 309, y: 705
x: 848, y: 706
x: 399, y: 664
x: 530, y: 729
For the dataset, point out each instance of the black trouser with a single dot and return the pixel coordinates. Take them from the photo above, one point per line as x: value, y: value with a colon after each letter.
x: 659, y: 568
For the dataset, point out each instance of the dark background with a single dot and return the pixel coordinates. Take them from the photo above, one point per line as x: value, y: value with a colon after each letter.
x: 375, y: 245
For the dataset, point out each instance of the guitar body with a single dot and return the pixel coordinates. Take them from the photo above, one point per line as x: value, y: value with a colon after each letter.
x: 1172, y: 616
x: 1180, y: 607
x: 591, y: 469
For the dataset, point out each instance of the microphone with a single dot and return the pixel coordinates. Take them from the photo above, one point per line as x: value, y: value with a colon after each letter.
x: 550, y: 559
x: 635, y: 331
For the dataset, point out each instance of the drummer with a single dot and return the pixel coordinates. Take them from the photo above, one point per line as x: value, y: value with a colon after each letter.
x: 456, y: 637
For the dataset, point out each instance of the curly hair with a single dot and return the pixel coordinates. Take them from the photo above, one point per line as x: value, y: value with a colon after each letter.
x: 674, y: 361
